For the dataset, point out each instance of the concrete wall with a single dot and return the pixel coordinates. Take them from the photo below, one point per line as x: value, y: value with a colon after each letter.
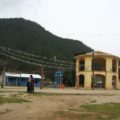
x: 88, y: 73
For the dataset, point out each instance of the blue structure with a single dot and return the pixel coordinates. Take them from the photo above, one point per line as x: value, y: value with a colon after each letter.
x: 58, y: 78
x: 12, y: 79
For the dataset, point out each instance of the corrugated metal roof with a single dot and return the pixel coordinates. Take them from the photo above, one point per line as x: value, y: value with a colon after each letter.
x: 28, y: 75
x: 12, y: 74
x: 22, y: 75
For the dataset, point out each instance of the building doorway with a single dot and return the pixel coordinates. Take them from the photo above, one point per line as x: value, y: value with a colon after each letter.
x: 114, y: 82
x: 81, y: 81
x: 99, y: 81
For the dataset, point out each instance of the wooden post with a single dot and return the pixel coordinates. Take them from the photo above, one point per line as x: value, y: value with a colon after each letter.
x: 42, y: 74
x: 93, y: 69
x: 3, y: 76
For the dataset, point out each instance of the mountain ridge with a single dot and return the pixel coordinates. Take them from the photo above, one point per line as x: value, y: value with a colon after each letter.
x: 28, y: 36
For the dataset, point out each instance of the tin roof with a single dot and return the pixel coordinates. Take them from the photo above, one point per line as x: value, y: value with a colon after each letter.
x: 97, y: 53
x: 22, y: 75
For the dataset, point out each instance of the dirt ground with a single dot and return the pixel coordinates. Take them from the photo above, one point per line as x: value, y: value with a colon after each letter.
x: 51, y: 106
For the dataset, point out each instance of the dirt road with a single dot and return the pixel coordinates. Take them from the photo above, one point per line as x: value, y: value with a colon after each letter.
x: 51, y: 106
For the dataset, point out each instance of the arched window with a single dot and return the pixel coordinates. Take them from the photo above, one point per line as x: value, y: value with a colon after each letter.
x: 82, y: 65
x: 114, y: 65
x: 99, y: 64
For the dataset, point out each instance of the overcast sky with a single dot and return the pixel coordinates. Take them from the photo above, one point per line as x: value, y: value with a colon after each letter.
x: 94, y: 22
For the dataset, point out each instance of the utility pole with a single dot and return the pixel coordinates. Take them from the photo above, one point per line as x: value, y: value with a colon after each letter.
x: 93, y: 69
x: 42, y: 75
x: 3, y: 76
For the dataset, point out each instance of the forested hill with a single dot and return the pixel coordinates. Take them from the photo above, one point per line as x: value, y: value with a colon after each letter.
x: 28, y: 36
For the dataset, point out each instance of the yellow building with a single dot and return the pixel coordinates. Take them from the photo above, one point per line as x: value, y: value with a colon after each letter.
x: 97, y: 70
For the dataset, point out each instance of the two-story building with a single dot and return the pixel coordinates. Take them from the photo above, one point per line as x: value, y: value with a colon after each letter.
x: 97, y: 70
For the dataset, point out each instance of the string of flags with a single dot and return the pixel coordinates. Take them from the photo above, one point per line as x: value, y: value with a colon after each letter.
x: 29, y: 58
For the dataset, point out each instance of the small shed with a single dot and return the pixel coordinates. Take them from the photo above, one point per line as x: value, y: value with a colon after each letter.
x: 20, y: 79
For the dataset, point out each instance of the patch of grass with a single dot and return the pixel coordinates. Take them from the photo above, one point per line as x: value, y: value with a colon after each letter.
x: 60, y: 113
x: 87, y: 116
x: 46, y: 94
x: 2, y: 91
x: 2, y: 95
x: 74, y: 110
x: 77, y: 115
x: 52, y: 94
x: 14, y: 95
x: 93, y: 101
x: 12, y: 100
x: 6, y: 111
x: 107, y: 111
x: 19, y: 93
x: 66, y: 115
